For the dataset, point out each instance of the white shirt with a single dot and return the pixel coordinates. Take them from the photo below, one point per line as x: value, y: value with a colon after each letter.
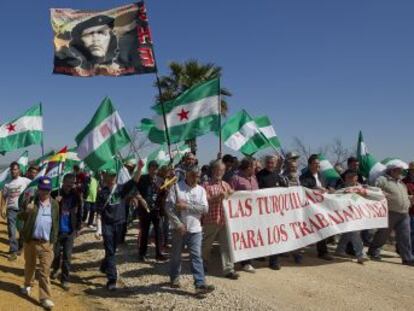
x: 196, y: 198
x: 13, y: 190
x: 318, y: 182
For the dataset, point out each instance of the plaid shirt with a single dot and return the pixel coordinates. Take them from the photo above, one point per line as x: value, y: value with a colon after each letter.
x: 215, y: 213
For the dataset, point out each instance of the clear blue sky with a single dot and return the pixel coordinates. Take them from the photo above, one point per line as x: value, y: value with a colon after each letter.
x: 318, y: 69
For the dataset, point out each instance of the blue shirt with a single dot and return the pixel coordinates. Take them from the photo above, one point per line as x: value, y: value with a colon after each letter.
x: 43, y: 224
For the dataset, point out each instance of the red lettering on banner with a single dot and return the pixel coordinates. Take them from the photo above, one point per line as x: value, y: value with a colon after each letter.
x: 294, y: 227
x: 347, y: 216
x: 144, y: 35
x: 304, y: 229
x: 338, y: 220
x: 262, y: 203
x: 322, y: 220
x: 146, y: 56
x: 277, y: 234
x: 249, y: 239
x: 314, y: 226
x: 244, y: 209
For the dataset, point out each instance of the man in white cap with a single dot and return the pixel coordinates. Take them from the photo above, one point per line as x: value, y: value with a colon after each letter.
x: 399, y: 201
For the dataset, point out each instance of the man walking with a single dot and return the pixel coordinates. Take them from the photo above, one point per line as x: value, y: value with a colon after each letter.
x: 186, y: 203
x: 11, y: 193
x: 40, y: 232
x: 149, y: 188
x: 398, y: 219
x: 214, y: 225
x: 70, y: 221
x: 112, y: 209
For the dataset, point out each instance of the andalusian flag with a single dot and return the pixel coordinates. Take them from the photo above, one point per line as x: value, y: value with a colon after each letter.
x: 193, y: 113
x: 328, y: 172
x: 23, y: 163
x: 265, y: 126
x: 103, y: 137
x: 241, y: 133
x: 163, y: 158
x: 395, y: 161
x: 23, y: 131
x: 368, y: 165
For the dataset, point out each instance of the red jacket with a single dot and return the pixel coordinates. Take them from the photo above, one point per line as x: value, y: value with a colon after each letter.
x: 409, y: 182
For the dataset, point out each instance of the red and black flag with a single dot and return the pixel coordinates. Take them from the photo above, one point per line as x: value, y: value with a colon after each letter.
x: 114, y: 42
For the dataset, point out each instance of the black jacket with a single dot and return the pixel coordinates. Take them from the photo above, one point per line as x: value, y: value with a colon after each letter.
x: 73, y: 202
x: 308, y: 180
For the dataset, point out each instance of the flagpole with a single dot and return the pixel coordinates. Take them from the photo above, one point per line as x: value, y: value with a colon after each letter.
x: 220, y: 154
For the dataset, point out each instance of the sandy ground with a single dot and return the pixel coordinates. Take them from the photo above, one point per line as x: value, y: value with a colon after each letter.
x: 314, y: 285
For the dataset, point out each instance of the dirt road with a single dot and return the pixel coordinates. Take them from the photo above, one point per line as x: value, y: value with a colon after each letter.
x: 315, y: 285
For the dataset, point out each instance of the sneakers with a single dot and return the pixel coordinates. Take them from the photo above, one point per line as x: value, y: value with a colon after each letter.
x: 362, y: 260
x: 248, y: 268
x: 376, y: 257
x: 111, y: 286
x: 65, y: 285
x: 275, y: 266
x: 232, y: 275
x: 203, y: 290
x: 54, y: 274
x: 408, y: 263
x: 47, y: 304
x: 26, y: 291
x: 175, y: 283
x: 326, y: 257
x: 92, y: 227
x: 12, y: 257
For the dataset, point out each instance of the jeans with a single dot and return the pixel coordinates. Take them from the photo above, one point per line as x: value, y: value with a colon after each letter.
x: 63, y: 252
x: 112, y: 235
x: 88, y: 209
x: 165, y: 230
x: 401, y: 224
x: 145, y: 221
x: 355, y: 239
x: 193, y: 242
x: 14, y: 243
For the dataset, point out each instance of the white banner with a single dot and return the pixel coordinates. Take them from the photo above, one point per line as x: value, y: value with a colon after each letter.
x: 278, y: 220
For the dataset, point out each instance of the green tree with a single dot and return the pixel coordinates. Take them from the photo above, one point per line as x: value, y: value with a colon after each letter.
x: 183, y: 76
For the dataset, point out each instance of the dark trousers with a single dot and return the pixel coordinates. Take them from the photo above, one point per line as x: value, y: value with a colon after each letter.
x: 322, y: 248
x: 63, y: 254
x: 112, y: 235
x: 401, y: 224
x: 145, y: 220
x: 88, y: 212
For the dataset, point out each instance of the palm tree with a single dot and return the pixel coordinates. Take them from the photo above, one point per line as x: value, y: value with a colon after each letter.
x: 184, y: 76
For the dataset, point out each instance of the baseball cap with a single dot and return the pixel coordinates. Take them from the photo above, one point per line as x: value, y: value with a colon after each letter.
x: 45, y: 183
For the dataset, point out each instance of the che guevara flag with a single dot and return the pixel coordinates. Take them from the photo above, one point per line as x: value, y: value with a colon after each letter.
x: 23, y: 131
x: 114, y: 42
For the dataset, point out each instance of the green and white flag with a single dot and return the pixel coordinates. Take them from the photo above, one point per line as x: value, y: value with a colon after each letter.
x: 369, y: 167
x: 103, y: 137
x: 265, y: 126
x: 193, y: 113
x: 162, y: 157
x: 23, y: 163
x: 395, y: 161
x: 23, y: 131
x: 241, y: 133
x: 328, y: 172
